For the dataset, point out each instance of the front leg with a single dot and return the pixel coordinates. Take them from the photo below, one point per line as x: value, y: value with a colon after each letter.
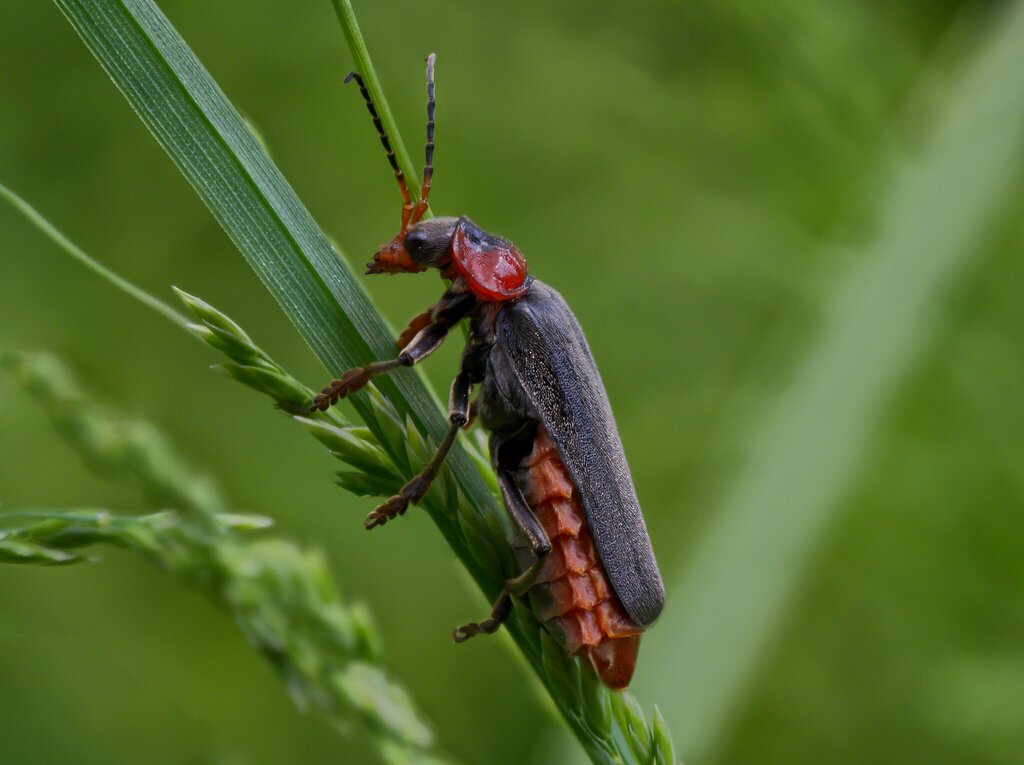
x: 452, y: 307
x: 425, y: 343
x: 416, y: 324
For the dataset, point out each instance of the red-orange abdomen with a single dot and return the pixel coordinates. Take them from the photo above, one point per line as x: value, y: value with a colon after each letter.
x: 571, y: 591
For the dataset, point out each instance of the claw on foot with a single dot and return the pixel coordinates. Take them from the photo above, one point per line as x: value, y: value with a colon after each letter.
x: 502, y: 608
x: 350, y: 382
x: 396, y: 505
x: 466, y: 631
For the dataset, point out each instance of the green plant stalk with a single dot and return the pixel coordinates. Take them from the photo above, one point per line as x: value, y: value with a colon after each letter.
x: 93, y: 265
x: 281, y: 597
x: 189, y: 115
x: 356, y: 45
x: 112, y: 445
x: 878, y: 321
x: 216, y: 152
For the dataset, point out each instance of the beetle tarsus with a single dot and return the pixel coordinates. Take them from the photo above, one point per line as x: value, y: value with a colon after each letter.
x: 499, y: 615
x: 354, y: 380
x: 396, y: 505
x: 414, y: 490
x: 334, y: 391
x: 411, y: 493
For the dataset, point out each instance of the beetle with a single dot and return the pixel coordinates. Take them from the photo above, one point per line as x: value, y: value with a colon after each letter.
x: 588, y: 565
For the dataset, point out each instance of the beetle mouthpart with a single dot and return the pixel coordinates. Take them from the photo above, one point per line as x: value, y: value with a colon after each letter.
x: 393, y: 258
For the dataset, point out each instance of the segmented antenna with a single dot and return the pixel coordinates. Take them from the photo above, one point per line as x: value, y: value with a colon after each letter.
x: 428, y: 169
x: 407, y: 207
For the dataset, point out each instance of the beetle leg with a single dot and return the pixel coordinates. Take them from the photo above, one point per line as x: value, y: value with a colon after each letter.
x: 499, y: 614
x: 416, y: 323
x: 412, y: 492
x: 425, y: 343
x: 540, y: 546
x: 351, y: 381
x: 446, y: 313
x: 528, y: 525
x: 471, y: 418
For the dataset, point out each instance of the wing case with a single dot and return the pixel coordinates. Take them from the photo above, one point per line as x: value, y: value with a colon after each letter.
x: 544, y: 347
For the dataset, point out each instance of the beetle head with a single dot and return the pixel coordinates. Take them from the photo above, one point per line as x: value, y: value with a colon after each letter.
x: 424, y: 244
x: 429, y: 242
x: 492, y: 267
x: 393, y: 257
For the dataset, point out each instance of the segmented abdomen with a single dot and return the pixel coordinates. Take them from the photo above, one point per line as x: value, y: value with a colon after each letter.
x: 571, y: 591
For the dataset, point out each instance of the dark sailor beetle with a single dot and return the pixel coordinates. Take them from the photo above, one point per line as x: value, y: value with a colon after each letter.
x: 589, y: 569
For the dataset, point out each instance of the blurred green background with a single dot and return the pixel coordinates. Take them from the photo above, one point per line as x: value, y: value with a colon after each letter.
x: 792, y: 232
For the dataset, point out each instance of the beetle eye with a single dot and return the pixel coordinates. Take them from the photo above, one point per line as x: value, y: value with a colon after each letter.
x: 414, y: 242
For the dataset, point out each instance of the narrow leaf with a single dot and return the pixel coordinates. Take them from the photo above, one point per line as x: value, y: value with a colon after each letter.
x: 751, y: 559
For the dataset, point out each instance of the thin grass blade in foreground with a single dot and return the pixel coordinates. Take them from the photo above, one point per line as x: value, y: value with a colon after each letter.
x: 878, y: 320
x: 281, y: 597
x: 213, y: 148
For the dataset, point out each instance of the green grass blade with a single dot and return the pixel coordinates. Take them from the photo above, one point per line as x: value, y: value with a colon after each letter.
x: 281, y: 597
x: 210, y: 143
x: 88, y: 261
x: 729, y: 602
x: 356, y: 45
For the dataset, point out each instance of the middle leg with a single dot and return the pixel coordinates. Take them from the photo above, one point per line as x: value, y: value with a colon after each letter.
x: 414, y: 490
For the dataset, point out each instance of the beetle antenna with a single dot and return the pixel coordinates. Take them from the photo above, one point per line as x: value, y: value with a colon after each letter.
x: 428, y: 168
x: 399, y: 176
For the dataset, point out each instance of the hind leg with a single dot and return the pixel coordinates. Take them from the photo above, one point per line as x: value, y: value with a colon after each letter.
x: 539, y: 544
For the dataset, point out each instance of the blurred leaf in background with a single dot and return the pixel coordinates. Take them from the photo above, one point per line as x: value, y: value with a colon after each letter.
x: 699, y: 180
